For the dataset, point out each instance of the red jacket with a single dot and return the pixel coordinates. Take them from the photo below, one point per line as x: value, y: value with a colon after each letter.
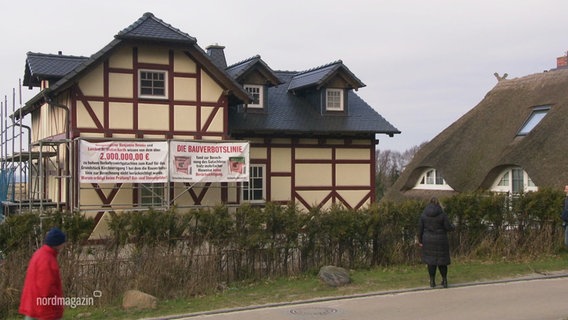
x: 43, y: 281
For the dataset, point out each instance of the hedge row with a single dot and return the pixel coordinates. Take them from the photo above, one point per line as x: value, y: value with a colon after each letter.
x: 174, y: 254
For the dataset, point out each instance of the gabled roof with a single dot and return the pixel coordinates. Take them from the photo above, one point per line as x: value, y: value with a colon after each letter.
x: 471, y: 152
x: 48, y: 66
x: 147, y: 28
x: 291, y: 114
x: 239, y: 70
x: 318, y: 77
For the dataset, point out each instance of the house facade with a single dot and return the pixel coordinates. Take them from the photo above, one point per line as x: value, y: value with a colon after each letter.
x: 311, y: 138
x: 512, y: 142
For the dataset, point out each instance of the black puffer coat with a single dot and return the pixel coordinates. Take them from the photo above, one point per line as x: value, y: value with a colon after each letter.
x: 433, y: 235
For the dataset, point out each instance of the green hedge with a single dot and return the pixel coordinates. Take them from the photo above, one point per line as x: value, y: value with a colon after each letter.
x: 179, y: 253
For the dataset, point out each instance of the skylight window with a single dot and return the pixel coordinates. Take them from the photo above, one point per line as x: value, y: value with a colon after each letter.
x: 536, y: 116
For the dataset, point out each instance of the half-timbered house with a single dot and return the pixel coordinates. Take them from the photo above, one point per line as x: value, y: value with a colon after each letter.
x: 312, y: 138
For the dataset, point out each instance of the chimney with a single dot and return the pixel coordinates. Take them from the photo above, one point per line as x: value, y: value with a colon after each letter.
x: 217, y: 55
x: 562, y: 62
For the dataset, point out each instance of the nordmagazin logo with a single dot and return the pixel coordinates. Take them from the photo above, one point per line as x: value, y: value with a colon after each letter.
x: 71, y: 302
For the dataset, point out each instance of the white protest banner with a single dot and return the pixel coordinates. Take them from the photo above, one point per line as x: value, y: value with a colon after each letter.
x: 123, y: 161
x: 209, y: 161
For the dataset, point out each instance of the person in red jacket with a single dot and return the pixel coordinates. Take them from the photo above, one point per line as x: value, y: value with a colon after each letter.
x: 42, y: 295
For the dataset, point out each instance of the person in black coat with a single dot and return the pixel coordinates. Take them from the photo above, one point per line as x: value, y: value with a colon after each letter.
x: 433, y: 229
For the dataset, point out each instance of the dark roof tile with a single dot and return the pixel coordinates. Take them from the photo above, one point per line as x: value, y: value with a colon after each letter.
x: 148, y: 27
x: 293, y: 114
x: 49, y: 66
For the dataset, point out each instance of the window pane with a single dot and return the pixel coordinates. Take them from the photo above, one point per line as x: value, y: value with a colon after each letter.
x: 333, y: 99
x: 533, y: 120
x: 151, y: 194
x: 256, y: 94
x: 517, y: 180
x: 153, y: 83
x: 253, y: 190
x: 504, y: 182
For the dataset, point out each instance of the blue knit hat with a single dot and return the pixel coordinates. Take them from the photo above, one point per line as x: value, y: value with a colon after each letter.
x: 55, y: 237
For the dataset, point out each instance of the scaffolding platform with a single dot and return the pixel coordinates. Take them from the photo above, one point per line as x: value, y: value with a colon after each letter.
x: 14, y: 207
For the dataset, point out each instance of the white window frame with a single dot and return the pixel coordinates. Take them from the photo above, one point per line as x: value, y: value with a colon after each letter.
x: 154, y: 192
x: 257, y: 174
x: 164, y: 73
x: 331, y: 100
x: 432, y: 180
x: 257, y: 91
x: 504, y: 182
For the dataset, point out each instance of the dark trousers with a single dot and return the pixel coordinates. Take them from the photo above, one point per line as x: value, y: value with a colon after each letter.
x: 432, y: 270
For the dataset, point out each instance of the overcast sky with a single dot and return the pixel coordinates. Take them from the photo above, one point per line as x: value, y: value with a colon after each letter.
x: 424, y: 62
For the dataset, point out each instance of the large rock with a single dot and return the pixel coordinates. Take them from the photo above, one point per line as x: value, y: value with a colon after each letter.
x: 138, y: 300
x: 334, y: 276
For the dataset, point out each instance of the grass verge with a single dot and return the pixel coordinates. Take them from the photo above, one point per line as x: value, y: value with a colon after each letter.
x: 305, y: 287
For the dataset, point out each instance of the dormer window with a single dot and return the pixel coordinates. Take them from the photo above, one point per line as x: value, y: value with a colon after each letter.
x: 334, y: 100
x: 431, y: 179
x: 256, y: 92
x: 514, y: 180
x: 152, y: 84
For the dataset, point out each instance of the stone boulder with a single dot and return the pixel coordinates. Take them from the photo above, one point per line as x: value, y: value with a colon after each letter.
x: 134, y: 299
x: 334, y: 276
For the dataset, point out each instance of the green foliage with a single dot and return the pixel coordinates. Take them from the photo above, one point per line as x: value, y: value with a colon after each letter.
x: 174, y: 254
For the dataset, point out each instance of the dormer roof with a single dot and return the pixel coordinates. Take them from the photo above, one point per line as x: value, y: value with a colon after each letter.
x: 320, y: 76
x: 291, y: 114
x: 40, y: 66
x: 240, y: 70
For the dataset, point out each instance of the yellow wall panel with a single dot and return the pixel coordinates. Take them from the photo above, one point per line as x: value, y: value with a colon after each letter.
x: 185, y: 89
x: 159, y: 55
x: 182, y: 63
x: 84, y: 119
x: 91, y: 135
x: 258, y: 153
x: 153, y: 117
x: 313, y: 153
x: 184, y: 118
x: 121, y: 58
x: 313, y: 174
x: 362, y: 142
x: 313, y: 198
x: 281, y: 160
x: 353, y: 175
x: 121, y: 85
x: 352, y: 154
x: 121, y: 115
x: 353, y: 197
x: 308, y: 141
x: 92, y: 83
x: 210, y: 90
x: 281, y: 141
x: 217, y: 124
x: 281, y: 189
x: 124, y: 135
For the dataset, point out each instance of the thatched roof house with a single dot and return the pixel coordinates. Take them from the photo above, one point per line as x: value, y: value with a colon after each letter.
x: 514, y: 140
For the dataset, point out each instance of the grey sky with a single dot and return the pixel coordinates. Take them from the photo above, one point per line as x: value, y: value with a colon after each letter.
x: 425, y: 62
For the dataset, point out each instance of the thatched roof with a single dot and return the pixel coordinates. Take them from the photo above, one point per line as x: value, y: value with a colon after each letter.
x: 472, y: 151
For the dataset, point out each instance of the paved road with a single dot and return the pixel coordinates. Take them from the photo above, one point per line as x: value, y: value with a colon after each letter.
x: 541, y: 298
